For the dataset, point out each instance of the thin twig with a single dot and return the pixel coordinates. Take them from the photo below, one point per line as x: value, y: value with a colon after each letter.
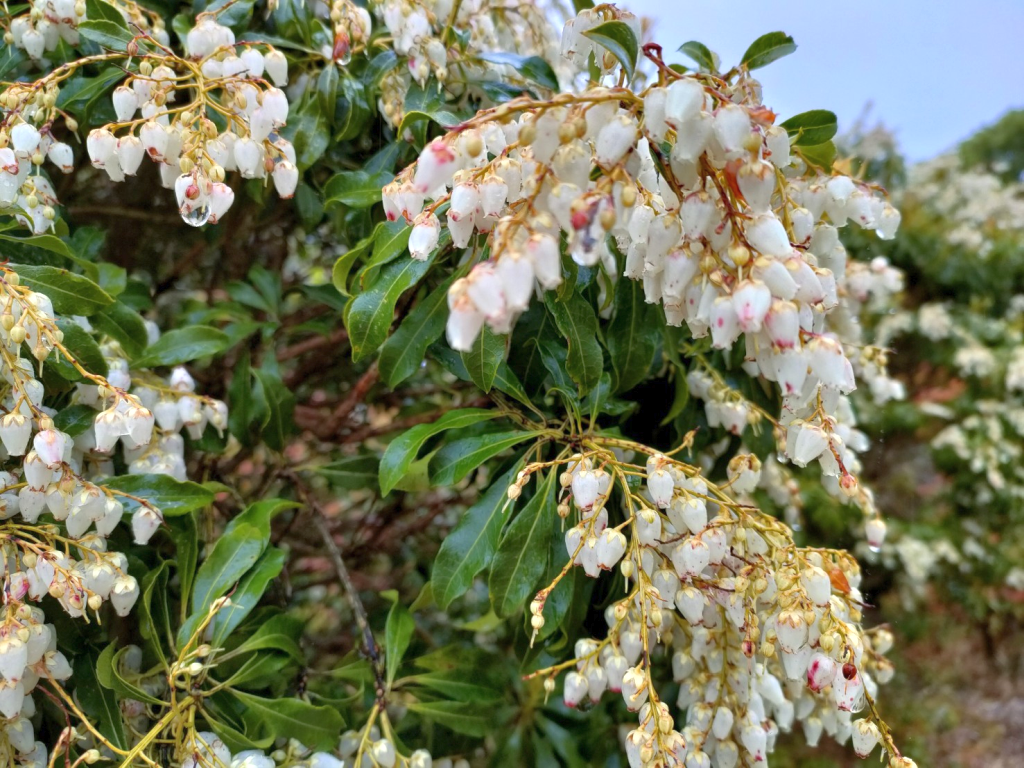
x: 351, y: 595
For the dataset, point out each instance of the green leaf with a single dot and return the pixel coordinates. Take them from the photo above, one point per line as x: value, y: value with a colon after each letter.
x: 632, y: 335
x: 83, y: 349
x: 810, y: 128
x: 533, y: 68
x: 123, y: 325
x: 523, y: 552
x: 371, y: 312
x: 576, y: 320
x: 98, y: 9
x: 470, y: 545
x: 154, y: 615
x: 259, y: 515
x: 618, y: 38
x: 106, y: 34
x: 342, y: 267
x: 701, y: 54
x: 75, y: 419
x: 280, y: 407
x: 98, y: 701
x: 391, y: 240
x: 50, y: 243
x: 233, y: 554
x: 183, y: 345
x: 482, y: 361
x: 247, y: 594
x: 820, y: 155
x: 70, y: 294
x: 456, y: 685
x: 404, y: 449
x: 403, y: 352
x: 172, y: 497
x: 315, y: 727
x: 457, y: 459
x: 768, y: 48
x: 353, y: 472
x: 397, y: 635
x: 278, y: 634
x: 356, y: 189
x: 461, y: 716
x: 108, y: 672
x: 309, y: 132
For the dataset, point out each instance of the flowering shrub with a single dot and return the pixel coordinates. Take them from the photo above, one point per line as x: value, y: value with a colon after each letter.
x: 651, y: 337
x: 959, y: 338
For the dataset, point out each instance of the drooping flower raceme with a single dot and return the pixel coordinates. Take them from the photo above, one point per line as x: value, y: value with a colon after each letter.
x: 59, y: 501
x: 690, y: 187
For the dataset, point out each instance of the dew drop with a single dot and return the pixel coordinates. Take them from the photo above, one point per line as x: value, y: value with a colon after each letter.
x: 197, y: 216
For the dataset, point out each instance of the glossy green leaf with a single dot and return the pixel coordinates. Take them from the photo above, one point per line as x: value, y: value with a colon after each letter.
x: 83, y: 349
x: 768, y: 48
x: 279, y: 402
x: 315, y: 727
x: 247, y: 594
x: 820, y: 155
x: 457, y: 459
x: 106, y: 34
x: 70, y: 294
x: 484, y: 358
x: 632, y: 335
x: 371, y: 312
x: 391, y: 240
x: 343, y: 266
x: 403, y: 352
x: 617, y: 37
x: 576, y: 320
x: 397, y: 635
x: 700, y: 53
x: 183, y: 345
x: 109, y: 674
x: 404, y: 449
x: 98, y: 702
x: 810, y: 128
x: 280, y: 633
x: 461, y: 716
x: 524, y: 550
x: 352, y: 472
x: 356, y: 189
x: 457, y: 686
x: 468, y: 548
x: 533, y: 68
x: 233, y: 554
x: 123, y: 325
x: 75, y: 419
x: 172, y: 497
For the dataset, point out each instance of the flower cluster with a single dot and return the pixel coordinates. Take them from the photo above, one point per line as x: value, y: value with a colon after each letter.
x: 46, y: 23
x: 456, y: 44
x: 48, y: 472
x: 759, y: 633
x: 689, y: 187
x: 166, y: 111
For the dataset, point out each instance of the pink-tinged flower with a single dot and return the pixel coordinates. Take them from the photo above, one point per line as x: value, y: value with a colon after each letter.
x: 436, y: 164
x: 50, y: 445
x: 751, y: 301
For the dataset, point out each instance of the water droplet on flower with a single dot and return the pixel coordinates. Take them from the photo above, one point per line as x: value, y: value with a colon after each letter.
x: 197, y: 216
x: 874, y: 549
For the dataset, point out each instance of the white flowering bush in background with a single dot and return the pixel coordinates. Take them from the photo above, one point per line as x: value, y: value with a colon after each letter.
x: 958, y: 337
x: 531, y: 343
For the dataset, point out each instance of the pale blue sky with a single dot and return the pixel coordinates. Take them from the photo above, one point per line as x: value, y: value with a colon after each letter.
x: 935, y: 71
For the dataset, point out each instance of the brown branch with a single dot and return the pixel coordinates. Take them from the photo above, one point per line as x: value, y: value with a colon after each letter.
x: 311, y: 344
x: 351, y: 595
